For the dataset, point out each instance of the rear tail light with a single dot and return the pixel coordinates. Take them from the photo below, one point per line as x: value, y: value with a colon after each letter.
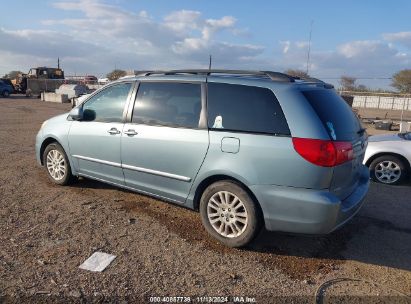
x: 325, y: 153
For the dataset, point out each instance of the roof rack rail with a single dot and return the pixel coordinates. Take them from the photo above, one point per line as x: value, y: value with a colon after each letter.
x: 275, y: 76
x: 316, y: 81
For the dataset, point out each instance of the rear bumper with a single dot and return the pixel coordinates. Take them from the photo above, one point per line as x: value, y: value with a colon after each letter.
x: 308, y: 211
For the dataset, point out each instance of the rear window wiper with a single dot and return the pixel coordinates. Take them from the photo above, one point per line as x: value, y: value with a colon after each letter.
x: 361, y: 131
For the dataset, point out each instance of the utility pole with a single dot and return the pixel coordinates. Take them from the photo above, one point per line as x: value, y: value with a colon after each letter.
x: 309, y: 47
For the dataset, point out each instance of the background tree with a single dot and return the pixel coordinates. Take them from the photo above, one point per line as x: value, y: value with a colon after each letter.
x: 296, y: 73
x: 116, y: 74
x: 402, y: 81
x: 348, y: 83
x: 12, y: 74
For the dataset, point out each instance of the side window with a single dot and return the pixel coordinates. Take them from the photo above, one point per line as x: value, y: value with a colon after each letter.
x: 168, y: 104
x: 245, y: 108
x: 108, y: 105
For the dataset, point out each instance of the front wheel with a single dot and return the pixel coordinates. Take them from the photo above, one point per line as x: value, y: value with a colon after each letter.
x: 388, y: 169
x: 229, y: 214
x: 6, y: 93
x: 57, y: 165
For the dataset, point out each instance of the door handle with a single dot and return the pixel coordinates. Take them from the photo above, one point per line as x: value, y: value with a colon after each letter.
x: 113, y: 131
x: 130, y: 132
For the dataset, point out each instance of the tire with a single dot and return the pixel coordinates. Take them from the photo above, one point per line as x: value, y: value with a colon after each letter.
x: 57, y: 165
x: 6, y: 93
x: 388, y: 169
x: 243, y: 220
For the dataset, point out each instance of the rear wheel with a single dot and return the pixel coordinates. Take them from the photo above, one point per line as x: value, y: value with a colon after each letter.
x: 57, y: 165
x: 6, y: 93
x: 229, y: 214
x: 388, y: 169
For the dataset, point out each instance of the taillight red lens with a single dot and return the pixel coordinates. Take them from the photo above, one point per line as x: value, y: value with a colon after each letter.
x: 344, y: 152
x: 325, y: 153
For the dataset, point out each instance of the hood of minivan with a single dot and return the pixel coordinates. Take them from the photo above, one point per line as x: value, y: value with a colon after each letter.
x: 385, y: 137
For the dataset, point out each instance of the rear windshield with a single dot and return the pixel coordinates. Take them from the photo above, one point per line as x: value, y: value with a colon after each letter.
x: 337, y: 116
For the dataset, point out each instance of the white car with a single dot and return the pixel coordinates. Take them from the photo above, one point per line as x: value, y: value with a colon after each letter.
x: 389, y: 157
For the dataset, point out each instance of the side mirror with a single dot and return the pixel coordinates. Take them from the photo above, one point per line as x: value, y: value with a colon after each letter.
x: 76, y: 113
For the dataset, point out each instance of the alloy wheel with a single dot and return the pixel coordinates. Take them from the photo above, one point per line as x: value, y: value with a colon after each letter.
x: 387, y: 172
x: 227, y: 214
x: 56, y: 165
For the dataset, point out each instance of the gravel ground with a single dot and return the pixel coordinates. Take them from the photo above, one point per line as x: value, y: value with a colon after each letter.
x: 47, y: 231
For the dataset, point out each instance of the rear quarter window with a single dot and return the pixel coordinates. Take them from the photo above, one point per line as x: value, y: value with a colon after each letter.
x: 335, y: 114
x: 244, y: 108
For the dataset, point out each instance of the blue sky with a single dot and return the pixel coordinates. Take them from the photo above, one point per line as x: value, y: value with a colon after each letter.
x: 363, y: 39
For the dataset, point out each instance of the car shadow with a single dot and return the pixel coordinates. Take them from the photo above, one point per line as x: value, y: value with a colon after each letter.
x: 379, y: 234
x: 365, y: 239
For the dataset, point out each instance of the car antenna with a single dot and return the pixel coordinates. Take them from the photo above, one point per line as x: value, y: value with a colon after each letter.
x: 309, y: 47
x: 209, y: 63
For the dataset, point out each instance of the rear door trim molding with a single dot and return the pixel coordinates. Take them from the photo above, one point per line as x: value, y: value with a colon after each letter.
x: 133, y: 168
x: 100, y: 161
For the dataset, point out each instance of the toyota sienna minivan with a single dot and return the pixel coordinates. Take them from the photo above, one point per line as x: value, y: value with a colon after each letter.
x: 246, y: 149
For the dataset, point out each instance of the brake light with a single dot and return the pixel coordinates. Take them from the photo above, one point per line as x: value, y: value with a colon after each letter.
x: 325, y: 153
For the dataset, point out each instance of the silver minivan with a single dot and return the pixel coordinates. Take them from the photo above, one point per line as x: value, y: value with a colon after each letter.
x: 246, y: 149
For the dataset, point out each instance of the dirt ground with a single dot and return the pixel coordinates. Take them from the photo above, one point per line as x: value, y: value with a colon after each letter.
x: 384, y: 114
x: 381, y: 114
x: 47, y: 231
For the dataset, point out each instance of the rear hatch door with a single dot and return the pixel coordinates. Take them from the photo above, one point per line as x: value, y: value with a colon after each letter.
x: 342, y: 124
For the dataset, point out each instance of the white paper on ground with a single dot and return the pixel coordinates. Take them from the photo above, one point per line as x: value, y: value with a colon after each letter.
x: 98, y: 261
